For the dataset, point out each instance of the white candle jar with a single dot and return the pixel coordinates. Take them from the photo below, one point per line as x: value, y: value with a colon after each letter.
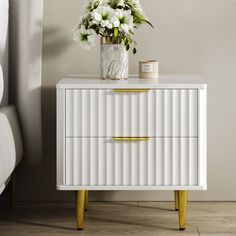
x: 149, y: 69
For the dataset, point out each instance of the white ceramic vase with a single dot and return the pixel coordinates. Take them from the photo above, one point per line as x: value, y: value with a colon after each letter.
x: 114, y: 60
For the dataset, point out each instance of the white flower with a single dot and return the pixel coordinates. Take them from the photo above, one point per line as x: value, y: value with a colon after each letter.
x: 103, y: 15
x: 116, y: 3
x: 121, y: 3
x: 115, y: 21
x: 126, y: 21
x: 86, y: 37
x: 103, y: 3
x: 93, y: 4
x: 136, y: 2
x: 137, y: 5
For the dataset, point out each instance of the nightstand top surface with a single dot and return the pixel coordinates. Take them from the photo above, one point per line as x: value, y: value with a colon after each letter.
x: 164, y: 82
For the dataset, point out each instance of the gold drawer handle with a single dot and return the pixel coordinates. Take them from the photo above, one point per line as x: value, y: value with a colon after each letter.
x: 130, y: 139
x: 131, y: 90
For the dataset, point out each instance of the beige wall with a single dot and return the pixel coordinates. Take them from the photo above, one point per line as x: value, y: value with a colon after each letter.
x: 191, y: 36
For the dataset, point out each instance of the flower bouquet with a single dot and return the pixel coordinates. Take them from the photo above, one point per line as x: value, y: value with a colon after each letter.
x: 115, y: 21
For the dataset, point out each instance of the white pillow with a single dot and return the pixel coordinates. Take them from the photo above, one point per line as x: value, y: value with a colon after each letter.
x: 11, y: 148
x: 1, y: 84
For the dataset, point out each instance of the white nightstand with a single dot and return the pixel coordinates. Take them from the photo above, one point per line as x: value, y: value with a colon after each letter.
x: 132, y: 135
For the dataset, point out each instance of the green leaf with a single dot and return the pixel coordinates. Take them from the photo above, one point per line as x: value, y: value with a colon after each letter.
x: 114, y: 3
x: 134, y: 50
x: 127, y: 47
x: 148, y: 22
x: 140, y: 19
x: 116, y: 31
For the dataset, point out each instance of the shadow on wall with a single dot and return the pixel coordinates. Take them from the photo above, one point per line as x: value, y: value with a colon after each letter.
x: 49, y: 122
x: 55, y: 42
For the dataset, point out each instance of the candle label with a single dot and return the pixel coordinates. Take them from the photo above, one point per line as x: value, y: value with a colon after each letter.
x: 147, y: 67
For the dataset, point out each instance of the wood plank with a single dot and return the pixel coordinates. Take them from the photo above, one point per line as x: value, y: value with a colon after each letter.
x: 118, y: 218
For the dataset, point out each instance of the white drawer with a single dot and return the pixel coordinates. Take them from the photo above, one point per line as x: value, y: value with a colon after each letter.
x: 154, y: 113
x: 152, y: 162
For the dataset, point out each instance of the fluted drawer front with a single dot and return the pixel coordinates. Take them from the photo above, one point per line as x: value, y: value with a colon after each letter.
x: 151, y: 162
x: 154, y: 113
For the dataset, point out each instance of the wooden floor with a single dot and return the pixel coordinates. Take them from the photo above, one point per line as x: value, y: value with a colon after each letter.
x: 118, y: 218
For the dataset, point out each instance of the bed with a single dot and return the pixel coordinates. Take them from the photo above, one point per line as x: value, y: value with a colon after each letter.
x: 11, y: 148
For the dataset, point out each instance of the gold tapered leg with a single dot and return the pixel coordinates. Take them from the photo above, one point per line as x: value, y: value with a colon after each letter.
x: 86, y: 201
x: 80, y: 201
x: 176, y: 200
x: 13, y: 190
x: 182, y: 196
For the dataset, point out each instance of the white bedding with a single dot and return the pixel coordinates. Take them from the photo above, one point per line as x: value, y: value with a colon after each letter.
x: 11, y: 148
x: 10, y: 137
